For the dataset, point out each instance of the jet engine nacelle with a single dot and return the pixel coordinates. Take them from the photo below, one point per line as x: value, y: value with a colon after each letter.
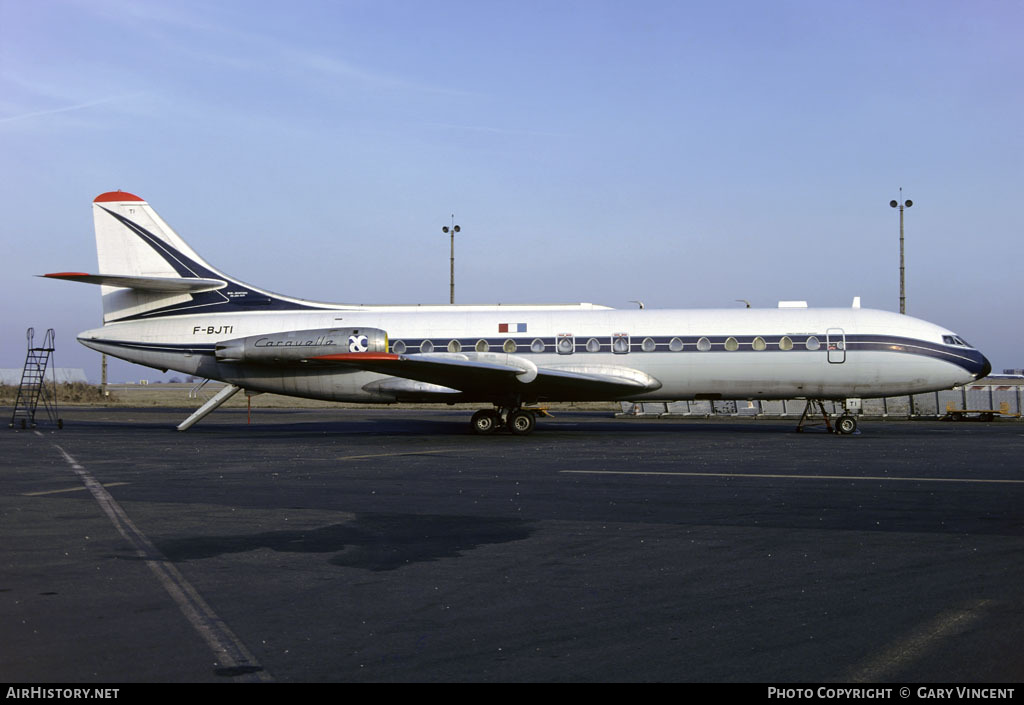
x: 298, y: 345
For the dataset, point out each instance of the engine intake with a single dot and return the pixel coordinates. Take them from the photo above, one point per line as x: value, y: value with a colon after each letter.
x: 298, y: 345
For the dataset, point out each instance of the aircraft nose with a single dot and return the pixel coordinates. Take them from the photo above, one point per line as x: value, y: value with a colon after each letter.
x: 986, y: 368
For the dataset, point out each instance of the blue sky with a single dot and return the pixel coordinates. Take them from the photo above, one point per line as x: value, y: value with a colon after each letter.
x: 686, y: 154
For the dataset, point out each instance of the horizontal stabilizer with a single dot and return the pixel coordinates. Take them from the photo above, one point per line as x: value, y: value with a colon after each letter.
x: 175, y: 285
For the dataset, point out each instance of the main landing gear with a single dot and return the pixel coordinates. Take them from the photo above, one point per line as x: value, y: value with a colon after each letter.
x: 846, y: 424
x: 519, y: 421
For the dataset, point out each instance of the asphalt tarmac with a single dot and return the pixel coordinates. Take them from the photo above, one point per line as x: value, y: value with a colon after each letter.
x: 394, y: 545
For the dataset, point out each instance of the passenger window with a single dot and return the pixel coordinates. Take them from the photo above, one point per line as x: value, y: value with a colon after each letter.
x: 398, y: 347
x: 703, y: 344
x: 648, y: 345
x: 454, y: 346
x: 812, y: 343
x: 620, y: 343
x: 482, y: 346
x: 731, y: 344
x: 593, y: 345
x: 785, y: 343
x: 759, y: 343
x: 537, y: 345
x: 509, y: 346
x: 565, y: 344
x: 426, y: 346
x: 675, y: 345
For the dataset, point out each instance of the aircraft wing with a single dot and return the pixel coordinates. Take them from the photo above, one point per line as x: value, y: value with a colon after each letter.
x: 489, y: 374
x: 595, y: 381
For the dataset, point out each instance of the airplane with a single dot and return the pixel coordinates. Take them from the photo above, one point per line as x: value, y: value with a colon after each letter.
x: 165, y: 307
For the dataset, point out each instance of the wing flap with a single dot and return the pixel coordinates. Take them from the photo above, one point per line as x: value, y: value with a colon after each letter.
x: 483, y: 375
x: 455, y: 372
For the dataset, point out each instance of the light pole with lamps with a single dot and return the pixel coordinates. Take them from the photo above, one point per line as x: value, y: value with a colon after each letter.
x: 901, y: 204
x: 453, y: 229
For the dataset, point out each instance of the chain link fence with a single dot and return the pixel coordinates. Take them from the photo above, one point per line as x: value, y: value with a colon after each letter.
x: 999, y: 399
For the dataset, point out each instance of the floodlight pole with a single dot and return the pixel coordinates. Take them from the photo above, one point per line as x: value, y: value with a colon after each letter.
x: 901, y: 204
x: 453, y: 229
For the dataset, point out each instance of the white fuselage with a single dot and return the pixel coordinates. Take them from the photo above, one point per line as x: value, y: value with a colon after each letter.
x: 710, y: 354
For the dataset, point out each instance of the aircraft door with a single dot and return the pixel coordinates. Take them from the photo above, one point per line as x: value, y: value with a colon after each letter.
x: 835, y: 344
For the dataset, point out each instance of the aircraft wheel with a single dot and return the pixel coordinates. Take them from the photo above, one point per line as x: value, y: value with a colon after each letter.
x: 522, y: 422
x: 484, y: 421
x: 846, y: 425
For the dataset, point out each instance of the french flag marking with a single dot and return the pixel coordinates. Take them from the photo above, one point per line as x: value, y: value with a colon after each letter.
x: 511, y: 327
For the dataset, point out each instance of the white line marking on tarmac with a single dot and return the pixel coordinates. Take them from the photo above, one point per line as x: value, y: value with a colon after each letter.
x: 911, y: 648
x: 393, y: 455
x: 794, y: 477
x: 230, y: 652
x: 69, y: 489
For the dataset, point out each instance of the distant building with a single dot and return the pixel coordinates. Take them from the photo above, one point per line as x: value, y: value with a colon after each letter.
x: 12, y: 377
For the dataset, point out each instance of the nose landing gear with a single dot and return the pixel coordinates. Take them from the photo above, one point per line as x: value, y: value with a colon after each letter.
x: 844, y: 425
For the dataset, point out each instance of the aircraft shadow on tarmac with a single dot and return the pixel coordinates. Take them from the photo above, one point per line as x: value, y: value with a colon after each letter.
x: 454, y: 424
x: 375, y: 542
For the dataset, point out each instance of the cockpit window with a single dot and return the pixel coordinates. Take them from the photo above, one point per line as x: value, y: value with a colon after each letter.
x: 955, y: 340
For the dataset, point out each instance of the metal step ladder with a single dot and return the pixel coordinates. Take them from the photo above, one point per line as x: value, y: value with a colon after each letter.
x: 34, y: 388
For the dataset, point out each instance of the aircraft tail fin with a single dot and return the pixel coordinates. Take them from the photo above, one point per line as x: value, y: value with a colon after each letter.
x: 132, y: 240
x: 146, y: 270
